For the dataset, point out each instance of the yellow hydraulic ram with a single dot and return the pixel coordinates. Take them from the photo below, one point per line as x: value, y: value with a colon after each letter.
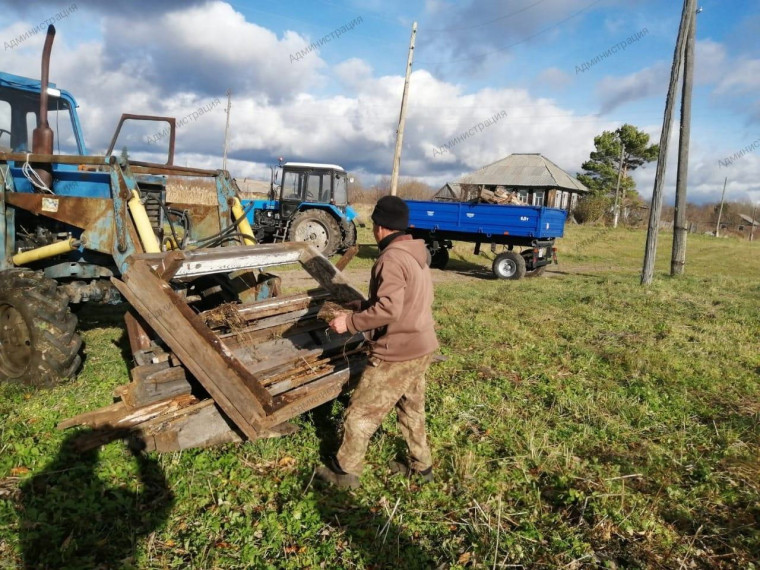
x: 53, y: 249
x: 243, y: 225
x: 142, y: 223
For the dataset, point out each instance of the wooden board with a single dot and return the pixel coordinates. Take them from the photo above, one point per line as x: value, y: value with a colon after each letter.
x: 204, y: 355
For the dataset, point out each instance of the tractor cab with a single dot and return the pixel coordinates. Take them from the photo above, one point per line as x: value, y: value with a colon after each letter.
x: 309, y: 204
x: 19, y: 116
x: 303, y: 182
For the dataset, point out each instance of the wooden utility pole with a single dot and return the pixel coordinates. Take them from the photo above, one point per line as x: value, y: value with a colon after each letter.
x: 227, y: 128
x: 678, y: 256
x: 720, y: 211
x: 752, y: 226
x: 616, y: 209
x: 650, y: 252
x: 402, y: 115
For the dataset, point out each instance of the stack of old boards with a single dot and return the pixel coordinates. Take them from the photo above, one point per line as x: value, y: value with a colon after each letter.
x: 237, y: 371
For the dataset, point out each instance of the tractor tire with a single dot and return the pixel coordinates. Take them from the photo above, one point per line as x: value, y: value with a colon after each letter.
x: 439, y: 259
x: 349, y: 240
x: 38, y: 342
x: 509, y: 265
x: 317, y: 228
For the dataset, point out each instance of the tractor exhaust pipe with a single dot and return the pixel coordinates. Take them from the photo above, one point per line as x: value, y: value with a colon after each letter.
x: 42, y: 136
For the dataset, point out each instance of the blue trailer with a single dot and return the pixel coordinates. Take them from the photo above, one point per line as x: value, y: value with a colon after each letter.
x: 534, y: 229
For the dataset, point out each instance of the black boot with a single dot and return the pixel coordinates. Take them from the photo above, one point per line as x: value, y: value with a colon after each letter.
x: 332, y: 473
x: 403, y: 469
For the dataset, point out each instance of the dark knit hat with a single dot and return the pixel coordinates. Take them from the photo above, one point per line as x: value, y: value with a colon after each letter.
x: 391, y: 212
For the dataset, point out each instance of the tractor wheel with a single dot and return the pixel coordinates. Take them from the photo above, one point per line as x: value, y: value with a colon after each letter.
x: 509, y: 265
x: 349, y: 240
x: 38, y: 342
x: 317, y: 228
x: 440, y: 258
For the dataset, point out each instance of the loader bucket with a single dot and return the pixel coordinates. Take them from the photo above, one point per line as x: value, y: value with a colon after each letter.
x: 236, y: 371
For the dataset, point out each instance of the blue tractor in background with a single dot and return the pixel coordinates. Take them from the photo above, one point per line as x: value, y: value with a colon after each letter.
x: 310, y: 204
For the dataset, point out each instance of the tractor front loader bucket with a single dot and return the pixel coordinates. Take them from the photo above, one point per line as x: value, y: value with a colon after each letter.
x: 236, y: 371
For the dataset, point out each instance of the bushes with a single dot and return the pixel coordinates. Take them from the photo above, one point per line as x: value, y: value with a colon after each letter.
x: 591, y: 208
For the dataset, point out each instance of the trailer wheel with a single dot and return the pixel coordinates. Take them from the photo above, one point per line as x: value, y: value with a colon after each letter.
x: 318, y: 228
x: 509, y: 265
x: 527, y: 255
x: 440, y: 258
x: 38, y: 342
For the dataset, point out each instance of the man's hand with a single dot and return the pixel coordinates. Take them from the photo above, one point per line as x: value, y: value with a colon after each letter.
x: 338, y: 324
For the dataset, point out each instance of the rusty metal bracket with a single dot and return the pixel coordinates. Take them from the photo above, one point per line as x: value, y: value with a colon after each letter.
x: 149, y: 118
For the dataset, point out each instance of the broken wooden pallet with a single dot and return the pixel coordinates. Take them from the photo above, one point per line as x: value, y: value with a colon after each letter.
x: 239, y: 371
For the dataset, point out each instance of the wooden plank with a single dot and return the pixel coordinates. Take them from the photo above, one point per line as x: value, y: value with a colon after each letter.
x: 302, y: 378
x: 327, y: 275
x: 309, y: 397
x: 347, y: 257
x: 235, y: 390
x: 269, y: 307
x: 300, y: 365
x: 170, y: 264
x: 199, y: 426
x: 287, y: 349
x: 138, y: 336
x: 120, y: 416
x: 160, y: 384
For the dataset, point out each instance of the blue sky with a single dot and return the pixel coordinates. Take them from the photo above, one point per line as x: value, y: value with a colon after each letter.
x: 340, y: 103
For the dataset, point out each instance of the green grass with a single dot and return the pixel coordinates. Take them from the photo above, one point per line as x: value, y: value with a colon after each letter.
x: 580, y: 420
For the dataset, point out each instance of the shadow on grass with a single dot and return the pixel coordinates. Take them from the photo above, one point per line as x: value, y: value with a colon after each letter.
x: 378, y: 540
x: 71, y: 518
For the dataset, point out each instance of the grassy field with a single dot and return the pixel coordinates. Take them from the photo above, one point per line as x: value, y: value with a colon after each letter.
x: 580, y: 420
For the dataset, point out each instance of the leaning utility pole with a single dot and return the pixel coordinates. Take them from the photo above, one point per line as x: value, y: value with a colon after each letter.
x: 616, y: 208
x: 402, y: 115
x: 227, y: 128
x: 654, y: 214
x: 678, y: 256
x: 720, y: 211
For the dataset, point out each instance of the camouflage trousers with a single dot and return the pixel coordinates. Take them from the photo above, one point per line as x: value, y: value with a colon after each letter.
x: 382, y: 386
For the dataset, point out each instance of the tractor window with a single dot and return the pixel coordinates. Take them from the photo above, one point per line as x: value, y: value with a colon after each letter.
x: 60, y: 121
x: 5, y: 126
x: 31, y: 124
x: 313, y: 193
x: 292, y: 186
x: 324, y: 195
x: 341, y: 194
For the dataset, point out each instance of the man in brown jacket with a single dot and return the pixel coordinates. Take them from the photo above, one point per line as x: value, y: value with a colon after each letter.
x: 398, y: 321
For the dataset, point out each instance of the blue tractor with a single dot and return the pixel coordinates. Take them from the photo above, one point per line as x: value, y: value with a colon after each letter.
x: 310, y: 204
x: 210, y: 338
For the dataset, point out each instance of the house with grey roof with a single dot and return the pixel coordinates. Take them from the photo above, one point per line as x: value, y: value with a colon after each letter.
x: 535, y: 178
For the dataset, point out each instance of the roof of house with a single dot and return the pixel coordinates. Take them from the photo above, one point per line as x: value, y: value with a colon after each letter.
x: 529, y: 170
x: 749, y: 220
